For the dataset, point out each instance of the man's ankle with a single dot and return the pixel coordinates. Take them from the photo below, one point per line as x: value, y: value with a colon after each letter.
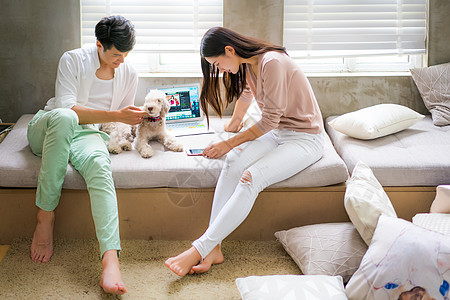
x: 45, y: 216
x: 110, y: 256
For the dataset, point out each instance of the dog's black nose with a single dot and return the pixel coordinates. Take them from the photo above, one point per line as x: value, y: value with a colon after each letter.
x: 150, y: 109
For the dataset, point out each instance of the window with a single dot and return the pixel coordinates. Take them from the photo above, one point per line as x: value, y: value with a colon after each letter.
x: 355, y: 35
x: 168, y: 33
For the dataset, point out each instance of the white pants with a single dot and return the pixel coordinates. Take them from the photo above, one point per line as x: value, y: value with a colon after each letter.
x: 273, y: 157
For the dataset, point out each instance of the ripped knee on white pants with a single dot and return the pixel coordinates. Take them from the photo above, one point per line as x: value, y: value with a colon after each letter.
x: 246, y: 178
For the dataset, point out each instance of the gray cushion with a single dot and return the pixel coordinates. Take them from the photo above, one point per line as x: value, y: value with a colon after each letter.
x: 417, y: 156
x: 20, y: 168
x: 433, y: 84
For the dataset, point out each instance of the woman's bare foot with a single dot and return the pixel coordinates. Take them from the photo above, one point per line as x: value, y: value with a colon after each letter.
x: 111, y: 280
x: 42, y: 244
x: 215, y: 257
x: 183, y: 263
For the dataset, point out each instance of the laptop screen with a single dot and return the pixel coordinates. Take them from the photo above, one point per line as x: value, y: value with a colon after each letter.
x: 184, y: 102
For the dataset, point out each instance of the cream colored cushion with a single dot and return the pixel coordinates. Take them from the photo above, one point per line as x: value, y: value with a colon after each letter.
x: 324, y: 249
x: 441, y: 203
x: 376, y: 121
x: 435, y: 222
x: 434, y: 87
x: 402, y: 257
x: 291, y: 287
x: 19, y: 167
x: 365, y: 200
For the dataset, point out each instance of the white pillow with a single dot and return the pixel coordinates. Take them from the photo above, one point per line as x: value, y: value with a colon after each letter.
x: 291, y: 287
x: 402, y: 259
x: 365, y: 200
x: 435, y: 222
x: 325, y: 249
x: 376, y: 121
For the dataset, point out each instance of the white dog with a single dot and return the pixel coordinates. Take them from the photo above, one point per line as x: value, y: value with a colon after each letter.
x: 121, y: 136
x: 152, y: 127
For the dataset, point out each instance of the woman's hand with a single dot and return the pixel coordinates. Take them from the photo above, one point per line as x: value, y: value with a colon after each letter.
x: 217, y: 150
x: 230, y: 127
x: 131, y: 115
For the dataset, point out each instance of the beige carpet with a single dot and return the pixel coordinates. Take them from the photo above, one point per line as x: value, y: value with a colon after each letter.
x: 75, y: 270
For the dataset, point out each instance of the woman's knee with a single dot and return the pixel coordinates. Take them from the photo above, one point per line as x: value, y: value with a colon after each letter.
x: 254, y: 179
x: 246, y: 177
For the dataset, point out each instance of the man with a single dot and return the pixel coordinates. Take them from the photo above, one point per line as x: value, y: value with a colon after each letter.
x: 93, y: 85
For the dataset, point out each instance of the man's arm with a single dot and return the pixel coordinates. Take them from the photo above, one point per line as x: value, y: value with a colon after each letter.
x: 130, y: 115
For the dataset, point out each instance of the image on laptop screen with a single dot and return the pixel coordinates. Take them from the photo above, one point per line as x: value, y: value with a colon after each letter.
x: 184, y: 102
x: 185, y: 116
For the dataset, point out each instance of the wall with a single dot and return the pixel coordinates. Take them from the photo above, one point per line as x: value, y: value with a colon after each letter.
x: 439, y: 32
x: 36, y: 33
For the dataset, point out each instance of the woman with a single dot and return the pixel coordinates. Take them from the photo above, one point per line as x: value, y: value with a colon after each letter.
x: 286, y: 140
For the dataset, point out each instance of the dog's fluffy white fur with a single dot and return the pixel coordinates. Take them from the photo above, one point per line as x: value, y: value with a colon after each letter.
x: 151, y: 128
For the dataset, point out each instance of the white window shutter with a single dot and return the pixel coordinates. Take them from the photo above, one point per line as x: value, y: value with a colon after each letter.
x: 161, y: 26
x: 339, y: 28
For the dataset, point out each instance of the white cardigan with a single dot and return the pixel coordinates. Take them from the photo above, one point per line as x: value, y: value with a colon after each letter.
x: 76, y: 71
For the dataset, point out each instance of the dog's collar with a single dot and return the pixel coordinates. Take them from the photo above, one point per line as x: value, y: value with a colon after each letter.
x: 151, y: 119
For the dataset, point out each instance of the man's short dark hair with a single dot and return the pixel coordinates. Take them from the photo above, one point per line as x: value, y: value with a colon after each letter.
x: 115, y: 31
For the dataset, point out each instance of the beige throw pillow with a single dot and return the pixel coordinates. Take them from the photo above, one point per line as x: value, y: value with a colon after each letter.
x: 365, y: 200
x: 324, y: 249
x: 441, y: 203
x: 434, y: 87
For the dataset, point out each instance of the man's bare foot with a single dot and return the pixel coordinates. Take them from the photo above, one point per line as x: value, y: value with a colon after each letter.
x: 111, y: 280
x: 215, y: 257
x: 42, y: 244
x: 183, y: 263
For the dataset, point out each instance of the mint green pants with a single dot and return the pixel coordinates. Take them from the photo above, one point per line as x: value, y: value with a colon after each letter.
x: 58, y: 139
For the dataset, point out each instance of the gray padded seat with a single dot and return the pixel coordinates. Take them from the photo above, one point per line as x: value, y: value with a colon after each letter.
x: 20, y: 168
x: 417, y: 156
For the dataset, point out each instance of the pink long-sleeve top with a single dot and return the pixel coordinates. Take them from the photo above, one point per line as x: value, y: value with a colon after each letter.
x: 283, y: 94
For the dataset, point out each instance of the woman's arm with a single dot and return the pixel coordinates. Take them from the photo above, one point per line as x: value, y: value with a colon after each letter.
x: 235, y: 123
x: 130, y: 115
x: 219, y: 149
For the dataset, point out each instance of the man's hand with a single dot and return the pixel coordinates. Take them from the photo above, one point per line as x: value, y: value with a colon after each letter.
x: 131, y: 115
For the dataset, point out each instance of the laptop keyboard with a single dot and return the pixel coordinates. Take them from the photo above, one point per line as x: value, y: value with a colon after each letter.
x: 185, y: 125
x: 188, y: 128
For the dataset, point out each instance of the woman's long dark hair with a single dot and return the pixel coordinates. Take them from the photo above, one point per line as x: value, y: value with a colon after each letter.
x: 213, y: 45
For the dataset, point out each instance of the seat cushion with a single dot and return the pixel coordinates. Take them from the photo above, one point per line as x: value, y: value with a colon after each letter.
x: 417, y: 156
x: 19, y: 167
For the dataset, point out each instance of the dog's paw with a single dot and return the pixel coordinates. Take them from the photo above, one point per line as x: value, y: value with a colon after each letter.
x: 114, y: 149
x: 176, y: 147
x: 126, y: 146
x: 146, y: 152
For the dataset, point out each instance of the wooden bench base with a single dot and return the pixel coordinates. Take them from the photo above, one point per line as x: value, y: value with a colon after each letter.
x: 183, y: 214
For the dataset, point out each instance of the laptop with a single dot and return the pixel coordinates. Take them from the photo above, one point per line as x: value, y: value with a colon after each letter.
x: 185, y: 116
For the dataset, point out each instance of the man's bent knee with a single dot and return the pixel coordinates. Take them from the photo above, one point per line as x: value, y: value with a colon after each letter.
x: 64, y: 116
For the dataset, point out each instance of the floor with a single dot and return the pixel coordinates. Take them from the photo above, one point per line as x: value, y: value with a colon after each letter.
x: 3, y: 249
